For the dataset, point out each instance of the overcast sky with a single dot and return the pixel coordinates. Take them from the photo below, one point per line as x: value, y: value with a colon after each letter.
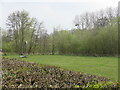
x: 53, y: 12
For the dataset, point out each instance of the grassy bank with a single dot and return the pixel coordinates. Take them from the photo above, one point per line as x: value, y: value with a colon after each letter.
x: 101, y: 66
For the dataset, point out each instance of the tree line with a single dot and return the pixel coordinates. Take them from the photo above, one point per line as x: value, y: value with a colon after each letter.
x: 96, y: 34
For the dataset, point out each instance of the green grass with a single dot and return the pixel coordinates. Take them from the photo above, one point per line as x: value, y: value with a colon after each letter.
x: 101, y: 66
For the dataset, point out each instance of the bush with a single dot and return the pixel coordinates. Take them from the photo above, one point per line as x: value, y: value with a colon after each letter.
x: 21, y: 74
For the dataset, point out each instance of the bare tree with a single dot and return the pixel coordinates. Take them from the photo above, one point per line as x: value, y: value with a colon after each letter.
x: 35, y: 23
x: 110, y: 15
x: 38, y: 29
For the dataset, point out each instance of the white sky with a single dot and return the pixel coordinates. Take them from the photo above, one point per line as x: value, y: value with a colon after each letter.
x: 53, y: 12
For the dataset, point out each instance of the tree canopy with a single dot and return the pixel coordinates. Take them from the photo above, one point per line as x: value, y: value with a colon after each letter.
x: 96, y: 34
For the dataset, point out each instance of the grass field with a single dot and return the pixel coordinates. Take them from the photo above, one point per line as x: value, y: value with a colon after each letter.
x: 101, y: 66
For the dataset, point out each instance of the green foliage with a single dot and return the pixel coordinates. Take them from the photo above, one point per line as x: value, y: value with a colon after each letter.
x: 99, y: 42
x: 21, y: 74
x: 102, y: 41
x: 100, y: 85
